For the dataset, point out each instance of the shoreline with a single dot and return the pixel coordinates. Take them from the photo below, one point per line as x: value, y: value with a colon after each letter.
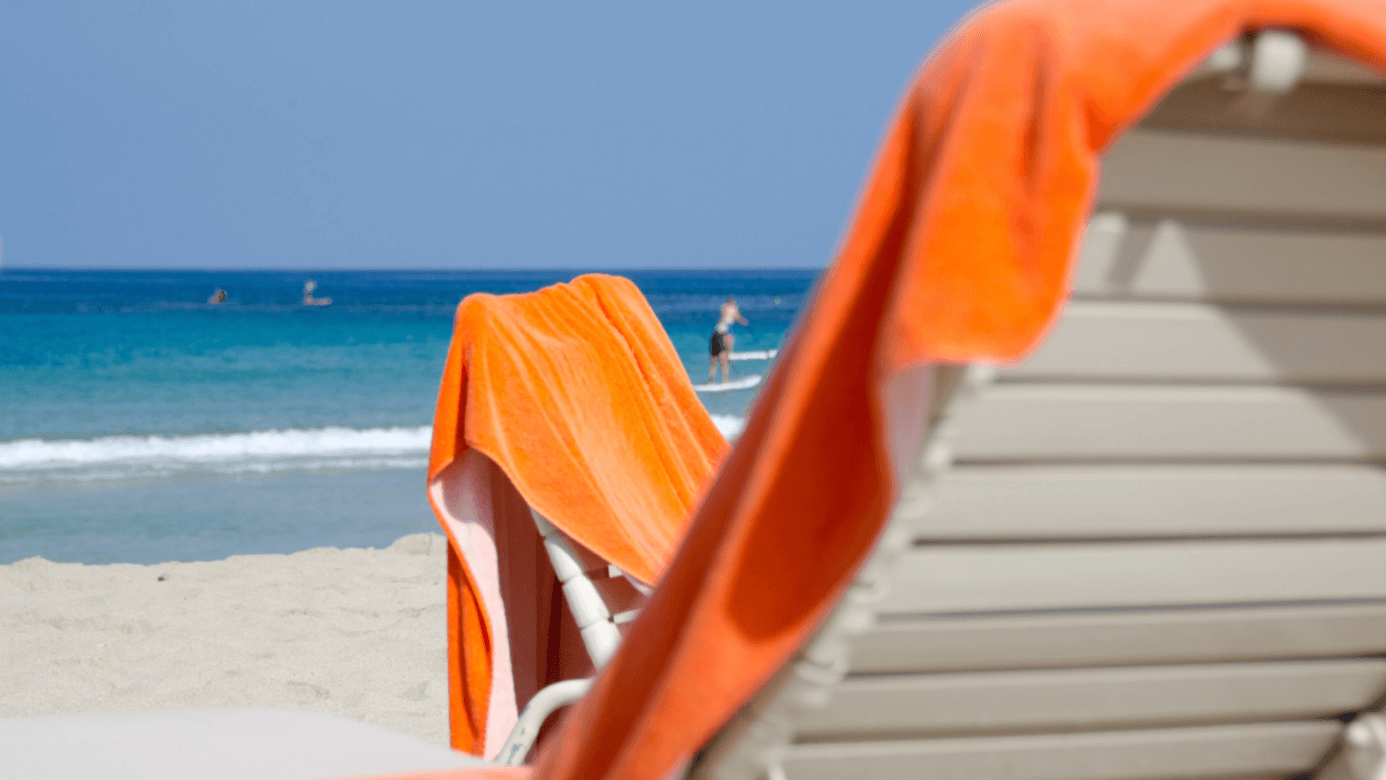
x: 353, y: 632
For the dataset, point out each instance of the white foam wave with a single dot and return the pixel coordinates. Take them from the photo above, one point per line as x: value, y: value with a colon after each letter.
x: 258, y: 452
x: 730, y: 425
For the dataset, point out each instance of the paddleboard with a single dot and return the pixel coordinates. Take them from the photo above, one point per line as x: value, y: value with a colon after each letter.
x: 760, y: 354
x: 744, y: 383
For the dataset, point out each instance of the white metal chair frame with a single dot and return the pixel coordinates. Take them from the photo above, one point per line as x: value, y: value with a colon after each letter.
x: 601, y: 598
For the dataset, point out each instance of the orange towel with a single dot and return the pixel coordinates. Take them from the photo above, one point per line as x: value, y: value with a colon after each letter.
x: 570, y: 400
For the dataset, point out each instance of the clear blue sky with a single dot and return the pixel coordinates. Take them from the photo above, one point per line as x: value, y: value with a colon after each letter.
x: 344, y: 134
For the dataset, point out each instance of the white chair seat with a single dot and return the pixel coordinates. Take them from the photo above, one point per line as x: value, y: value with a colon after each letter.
x: 212, y: 744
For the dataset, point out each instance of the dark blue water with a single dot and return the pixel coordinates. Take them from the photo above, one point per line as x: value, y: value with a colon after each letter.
x: 138, y: 423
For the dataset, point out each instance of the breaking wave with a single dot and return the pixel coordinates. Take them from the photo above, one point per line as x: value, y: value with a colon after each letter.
x: 258, y: 452
x: 230, y: 454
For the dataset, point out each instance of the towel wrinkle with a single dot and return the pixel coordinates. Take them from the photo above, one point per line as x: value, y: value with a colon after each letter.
x: 649, y: 375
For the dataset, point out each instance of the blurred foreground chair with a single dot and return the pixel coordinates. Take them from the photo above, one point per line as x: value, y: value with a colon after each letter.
x: 1157, y: 547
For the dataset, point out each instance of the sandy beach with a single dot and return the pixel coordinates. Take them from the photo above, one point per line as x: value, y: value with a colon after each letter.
x: 354, y: 632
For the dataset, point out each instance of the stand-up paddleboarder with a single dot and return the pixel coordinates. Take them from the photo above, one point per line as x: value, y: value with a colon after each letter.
x: 719, y: 346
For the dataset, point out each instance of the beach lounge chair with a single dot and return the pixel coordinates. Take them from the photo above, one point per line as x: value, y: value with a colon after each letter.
x: 569, y: 448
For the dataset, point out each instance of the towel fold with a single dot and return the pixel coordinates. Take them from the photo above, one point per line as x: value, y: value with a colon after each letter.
x: 570, y: 400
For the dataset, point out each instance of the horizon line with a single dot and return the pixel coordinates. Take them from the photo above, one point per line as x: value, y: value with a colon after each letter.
x: 580, y: 269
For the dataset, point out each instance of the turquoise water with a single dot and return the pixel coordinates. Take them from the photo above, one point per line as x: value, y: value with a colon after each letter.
x: 139, y: 424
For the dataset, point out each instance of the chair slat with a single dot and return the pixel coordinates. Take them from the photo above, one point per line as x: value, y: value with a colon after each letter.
x: 1068, y: 422
x: 1173, y: 258
x: 1175, y: 171
x: 1000, y: 577
x: 1054, y: 640
x: 976, y: 703
x: 1325, y: 111
x: 1013, y: 503
x: 1173, y: 342
x: 1250, y: 752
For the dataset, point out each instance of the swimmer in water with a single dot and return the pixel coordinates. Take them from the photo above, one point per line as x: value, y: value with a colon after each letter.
x: 720, y: 345
x: 218, y: 297
x: 308, y: 299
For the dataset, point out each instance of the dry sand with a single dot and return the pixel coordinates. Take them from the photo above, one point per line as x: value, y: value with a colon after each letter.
x: 354, y: 632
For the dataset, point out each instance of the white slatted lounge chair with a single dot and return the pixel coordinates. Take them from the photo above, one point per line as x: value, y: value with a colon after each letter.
x: 1157, y: 548
x: 602, y: 599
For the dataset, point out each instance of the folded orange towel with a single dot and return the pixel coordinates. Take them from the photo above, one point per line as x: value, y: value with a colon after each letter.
x: 961, y: 250
x: 570, y: 400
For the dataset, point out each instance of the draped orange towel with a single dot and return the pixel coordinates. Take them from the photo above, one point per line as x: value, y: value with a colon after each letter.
x: 961, y: 250
x: 570, y: 400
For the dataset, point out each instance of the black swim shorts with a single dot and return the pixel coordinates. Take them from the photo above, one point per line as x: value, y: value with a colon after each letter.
x: 715, y: 346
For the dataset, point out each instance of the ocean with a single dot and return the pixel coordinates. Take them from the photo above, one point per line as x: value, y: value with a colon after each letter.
x: 139, y: 424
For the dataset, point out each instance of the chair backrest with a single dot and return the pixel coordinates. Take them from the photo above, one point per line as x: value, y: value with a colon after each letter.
x: 1154, y: 549
x: 603, y: 601
x: 601, y: 598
